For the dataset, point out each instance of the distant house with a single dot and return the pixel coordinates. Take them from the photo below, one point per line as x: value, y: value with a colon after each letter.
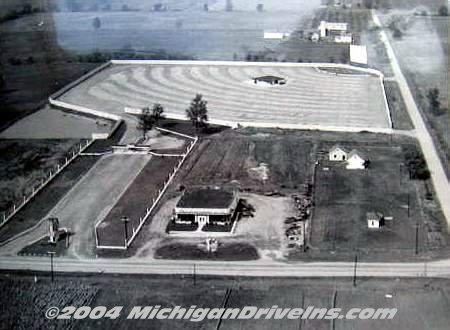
x: 332, y: 29
x: 315, y: 37
x: 344, y: 38
x: 374, y: 219
x: 206, y: 206
x: 272, y: 80
x: 357, y: 160
x: 338, y: 154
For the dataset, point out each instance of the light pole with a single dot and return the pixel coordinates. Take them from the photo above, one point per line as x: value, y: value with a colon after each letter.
x: 125, y: 221
x: 51, y: 253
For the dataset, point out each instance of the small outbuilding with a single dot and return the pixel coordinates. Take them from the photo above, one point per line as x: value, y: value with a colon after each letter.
x: 375, y: 220
x: 357, y: 160
x: 338, y: 153
x: 271, y: 80
x: 207, y: 206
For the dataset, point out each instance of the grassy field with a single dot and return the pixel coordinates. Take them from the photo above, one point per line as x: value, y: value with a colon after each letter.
x: 23, y: 163
x: 135, y: 200
x: 339, y: 225
x: 232, y: 158
x: 399, y: 113
x: 421, y: 303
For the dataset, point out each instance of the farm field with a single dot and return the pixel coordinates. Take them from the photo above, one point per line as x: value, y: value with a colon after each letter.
x: 309, y: 98
x: 412, y: 297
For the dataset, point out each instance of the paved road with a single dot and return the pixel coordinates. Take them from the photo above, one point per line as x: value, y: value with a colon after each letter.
x: 429, y: 150
x: 87, y: 202
x: 244, y: 268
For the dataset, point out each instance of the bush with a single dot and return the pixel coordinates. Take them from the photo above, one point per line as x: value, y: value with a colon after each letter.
x: 443, y: 10
x: 416, y: 164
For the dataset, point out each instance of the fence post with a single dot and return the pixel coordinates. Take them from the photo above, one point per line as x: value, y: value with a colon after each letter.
x: 57, y: 168
x: 4, y: 216
x: 14, y: 207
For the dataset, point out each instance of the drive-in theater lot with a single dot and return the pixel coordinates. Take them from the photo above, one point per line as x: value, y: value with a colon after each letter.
x: 311, y: 96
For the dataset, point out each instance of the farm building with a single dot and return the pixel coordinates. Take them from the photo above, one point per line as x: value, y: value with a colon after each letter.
x: 331, y: 29
x: 375, y: 220
x: 357, y: 160
x: 338, y: 154
x: 206, y: 206
x: 272, y: 80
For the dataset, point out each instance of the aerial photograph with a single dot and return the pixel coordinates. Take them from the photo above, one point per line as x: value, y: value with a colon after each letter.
x: 224, y: 164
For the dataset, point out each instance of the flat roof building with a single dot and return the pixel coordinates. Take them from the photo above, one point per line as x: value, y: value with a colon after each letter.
x: 207, y: 206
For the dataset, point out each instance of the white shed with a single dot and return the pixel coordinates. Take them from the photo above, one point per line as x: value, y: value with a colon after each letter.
x: 338, y: 154
x: 375, y: 219
x: 357, y: 160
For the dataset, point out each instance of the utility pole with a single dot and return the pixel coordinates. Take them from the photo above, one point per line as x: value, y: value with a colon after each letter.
x: 354, y: 270
x: 408, y: 205
x: 51, y: 253
x: 195, y: 280
x: 417, y: 238
x: 125, y: 221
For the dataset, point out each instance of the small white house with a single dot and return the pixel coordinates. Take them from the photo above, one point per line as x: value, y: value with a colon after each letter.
x: 357, y: 160
x: 344, y: 38
x: 375, y: 220
x: 338, y: 154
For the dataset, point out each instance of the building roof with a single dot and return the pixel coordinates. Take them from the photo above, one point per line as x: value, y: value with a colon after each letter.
x: 374, y: 216
x: 334, y: 25
x: 336, y: 146
x: 269, y: 78
x: 206, y: 198
x: 358, y: 153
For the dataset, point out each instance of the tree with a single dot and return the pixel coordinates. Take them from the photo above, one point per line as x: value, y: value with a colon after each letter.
x: 443, y: 10
x: 433, y: 101
x: 198, y: 112
x: 157, y: 112
x: 229, y: 6
x: 96, y: 23
x: 205, y: 7
x: 145, y: 122
x: 260, y: 7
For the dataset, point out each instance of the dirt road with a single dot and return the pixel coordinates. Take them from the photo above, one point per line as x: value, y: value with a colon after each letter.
x: 438, y: 175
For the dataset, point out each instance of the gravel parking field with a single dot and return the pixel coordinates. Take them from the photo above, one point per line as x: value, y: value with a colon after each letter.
x: 310, y: 96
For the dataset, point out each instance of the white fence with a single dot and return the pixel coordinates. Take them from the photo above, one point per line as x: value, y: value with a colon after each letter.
x: 45, y: 181
x: 154, y: 201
